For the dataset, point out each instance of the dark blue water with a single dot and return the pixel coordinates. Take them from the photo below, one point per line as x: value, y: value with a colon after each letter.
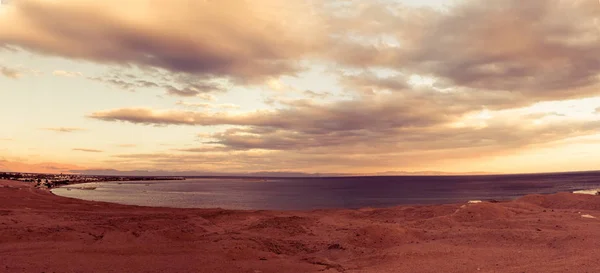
x: 340, y: 192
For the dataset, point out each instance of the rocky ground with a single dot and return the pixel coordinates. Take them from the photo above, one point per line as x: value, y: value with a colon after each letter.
x: 41, y: 232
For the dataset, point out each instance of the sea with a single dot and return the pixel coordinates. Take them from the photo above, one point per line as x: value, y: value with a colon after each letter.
x: 327, y: 192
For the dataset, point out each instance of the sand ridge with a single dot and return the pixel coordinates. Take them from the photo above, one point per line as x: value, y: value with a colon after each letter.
x: 41, y: 232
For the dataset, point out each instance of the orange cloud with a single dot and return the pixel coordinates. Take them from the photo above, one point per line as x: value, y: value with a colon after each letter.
x: 9, y: 72
x: 87, y: 150
x: 64, y: 129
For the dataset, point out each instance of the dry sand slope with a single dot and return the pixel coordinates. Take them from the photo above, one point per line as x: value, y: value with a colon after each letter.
x: 40, y: 232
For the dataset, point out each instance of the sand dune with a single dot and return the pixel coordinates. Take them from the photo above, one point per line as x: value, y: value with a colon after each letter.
x: 40, y: 232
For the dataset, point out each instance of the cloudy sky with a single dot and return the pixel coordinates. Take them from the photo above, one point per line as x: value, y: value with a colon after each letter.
x: 347, y: 86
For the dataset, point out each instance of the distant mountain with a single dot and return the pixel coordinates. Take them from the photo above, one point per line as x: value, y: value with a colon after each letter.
x: 423, y: 173
x: 113, y: 172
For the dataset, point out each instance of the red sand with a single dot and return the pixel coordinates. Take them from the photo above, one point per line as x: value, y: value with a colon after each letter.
x: 41, y: 232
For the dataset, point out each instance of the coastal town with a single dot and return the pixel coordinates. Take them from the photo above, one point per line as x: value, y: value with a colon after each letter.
x: 54, y: 180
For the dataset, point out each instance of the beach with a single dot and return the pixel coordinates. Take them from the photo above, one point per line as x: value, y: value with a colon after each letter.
x: 41, y: 232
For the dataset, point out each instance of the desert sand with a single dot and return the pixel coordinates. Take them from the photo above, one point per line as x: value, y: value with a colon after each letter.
x: 41, y: 232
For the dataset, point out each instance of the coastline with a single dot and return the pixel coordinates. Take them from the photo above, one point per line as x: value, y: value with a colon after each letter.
x: 123, y: 198
x: 41, y: 231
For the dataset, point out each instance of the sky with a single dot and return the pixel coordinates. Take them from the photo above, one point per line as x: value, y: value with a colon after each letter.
x: 314, y: 86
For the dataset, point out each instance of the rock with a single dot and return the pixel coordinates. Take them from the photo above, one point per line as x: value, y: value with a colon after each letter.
x: 335, y: 246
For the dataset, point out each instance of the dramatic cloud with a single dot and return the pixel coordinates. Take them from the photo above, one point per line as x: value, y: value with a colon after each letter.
x: 343, y: 84
x: 422, y: 121
x: 87, y: 150
x: 276, y: 149
x: 411, y: 109
x: 493, y: 137
x: 64, y: 129
x: 544, y: 50
x: 533, y: 49
x: 405, y: 128
x: 230, y: 38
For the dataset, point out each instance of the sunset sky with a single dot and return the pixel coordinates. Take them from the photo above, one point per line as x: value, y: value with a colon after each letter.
x: 348, y: 86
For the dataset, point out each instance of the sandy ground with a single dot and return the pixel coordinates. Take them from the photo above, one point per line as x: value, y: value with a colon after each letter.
x: 40, y: 232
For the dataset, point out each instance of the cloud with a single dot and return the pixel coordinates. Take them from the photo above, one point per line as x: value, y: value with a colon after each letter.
x: 150, y: 116
x: 195, y: 104
x: 491, y: 138
x: 376, y: 113
x: 64, y: 129
x: 125, y: 84
x: 386, y: 119
x: 10, y: 73
x: 62, y: 73
x: 370, y: 82
x: 207, y: 97
x: 232, y: 38
x: 87, y: 150
x: 271, y: 150
x: 531, y: 48
x: 207, y: 105
x: 205, y: 149
x: 316, y: 95
x: 174, y: 84
x: 16, y: 73
x: 416, y: 127
x: 183, y: 92
x: 276, y: 84
x: 227, y: 106
x: 188, y: 92
x: 331, y: 123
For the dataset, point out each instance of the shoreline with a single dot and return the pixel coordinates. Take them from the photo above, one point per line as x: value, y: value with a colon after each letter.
x: 274, y: 210
x: 583, y: 190
x: 40, y: 231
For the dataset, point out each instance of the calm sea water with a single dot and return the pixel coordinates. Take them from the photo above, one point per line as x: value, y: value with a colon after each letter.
x: 341, y: 192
